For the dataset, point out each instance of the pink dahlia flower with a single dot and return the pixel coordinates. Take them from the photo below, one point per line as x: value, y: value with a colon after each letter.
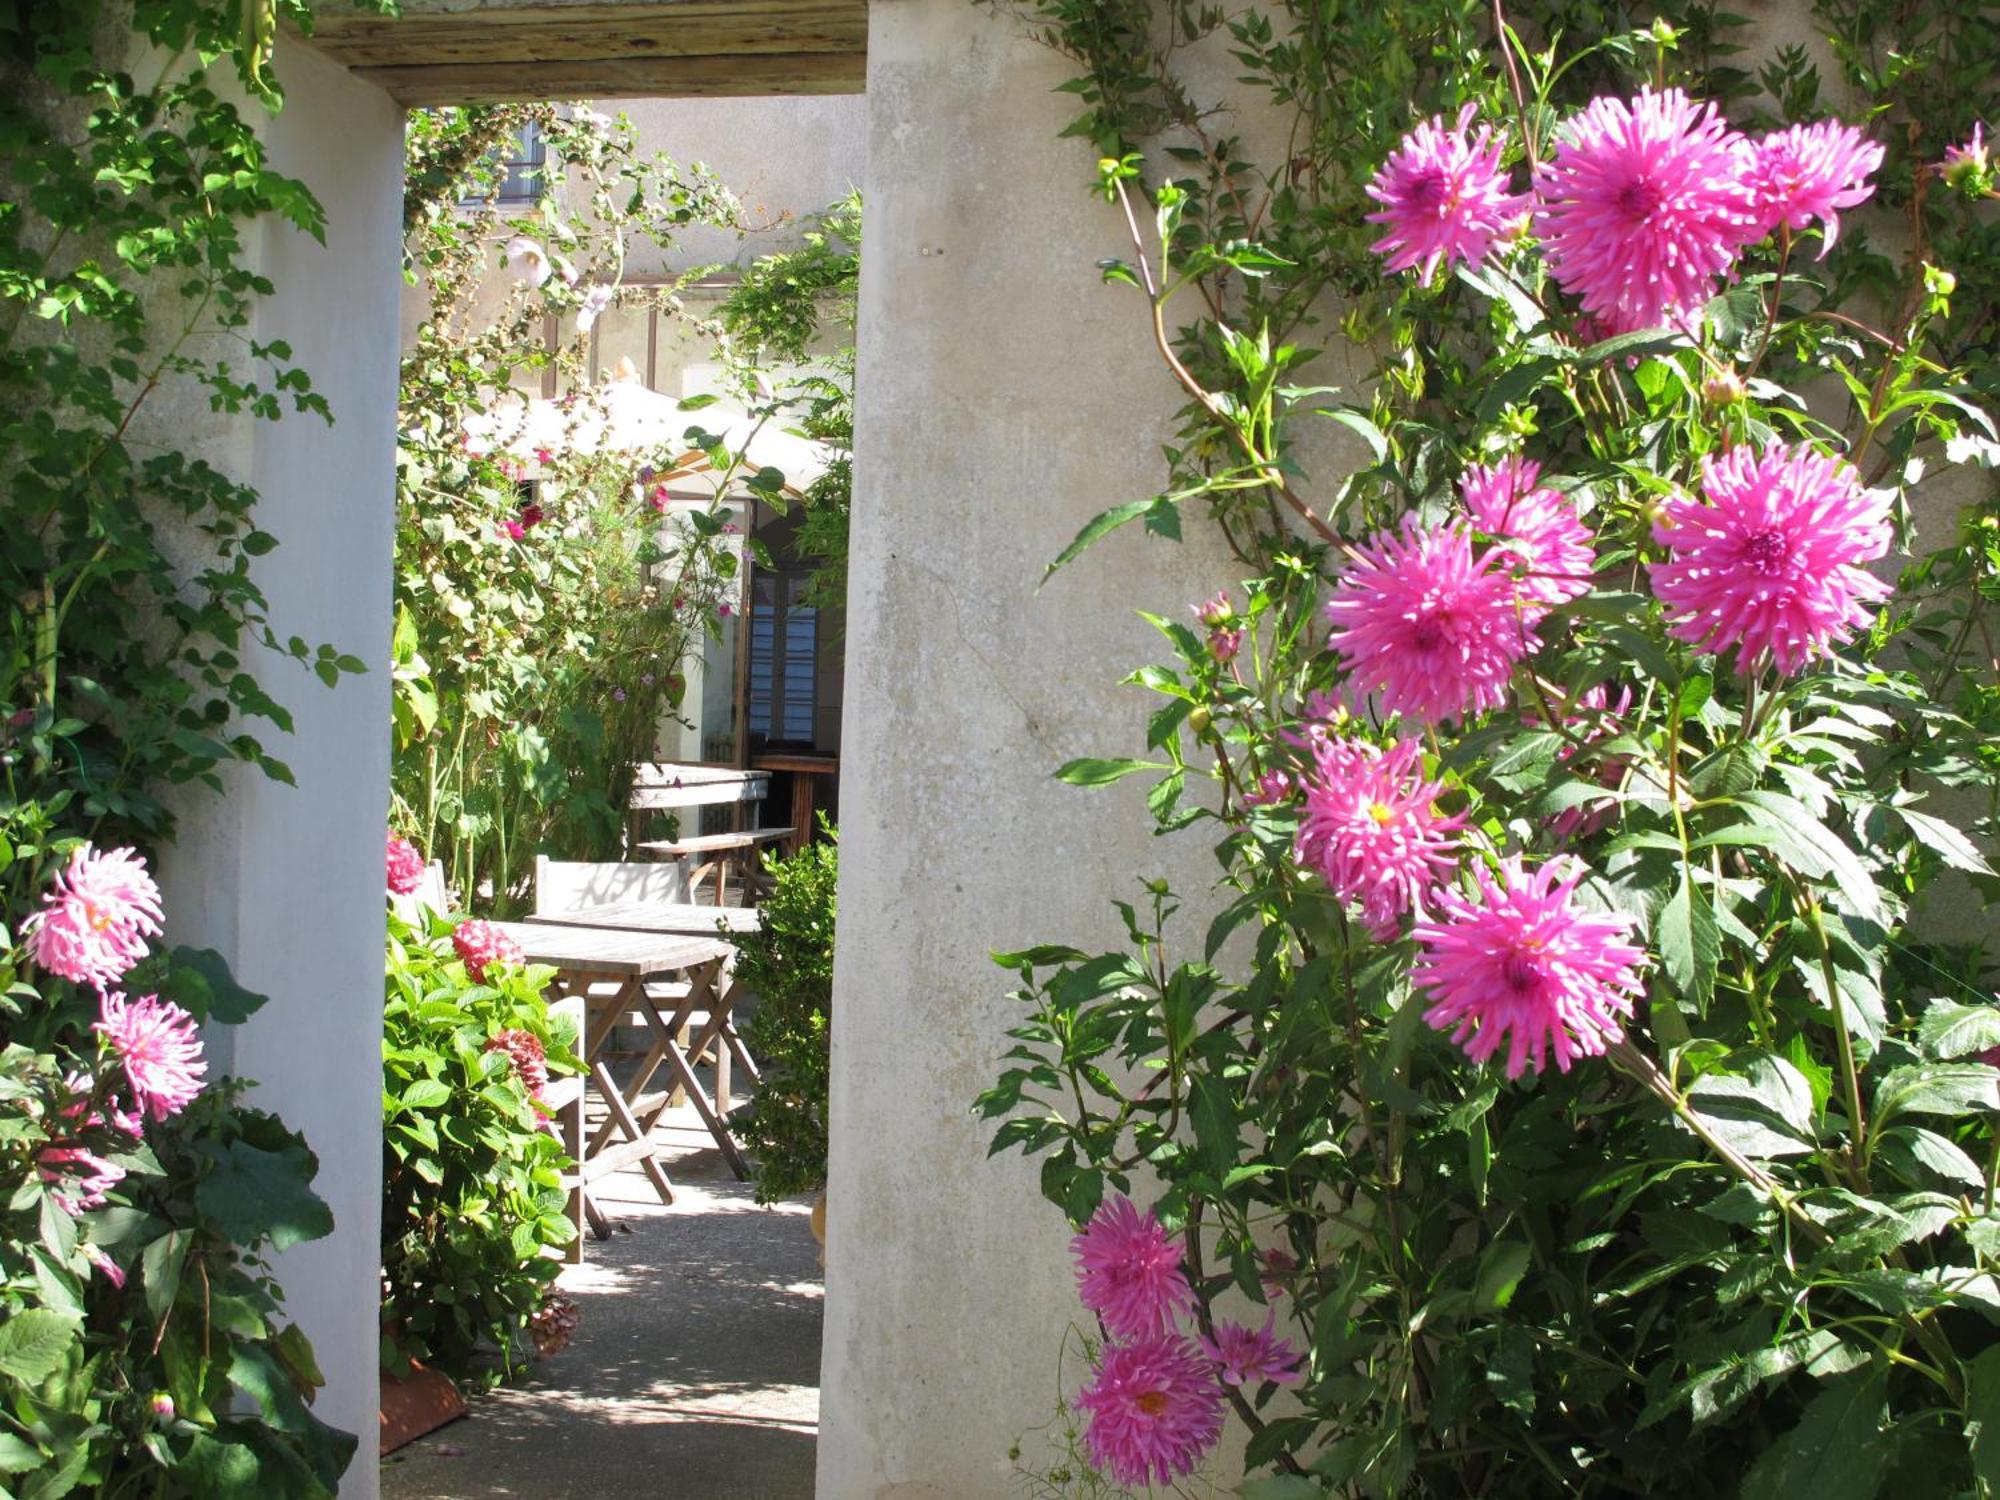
x: 1808, y: 172
x: 1419, y: 618
x: 95, y: 917
x: 113, y: 1116
x: 1128, y: 1271
x: 1275, y: 1270
x: 406, y: 867
x: 1770, y: 561
x: 155, y: 1040
x: 482, y: 943
x: 1554, y: 559
x: 1155, y: 1410
x: 1644, y: 206
x: 87, y: 1177
x: 530, y: 1061
x: 1244, y: 1355
x: 1444, y: 197
x: 1371, y: 828
x: 1524, y: 966
x: 1272, y: 787
x: 112, y: 1271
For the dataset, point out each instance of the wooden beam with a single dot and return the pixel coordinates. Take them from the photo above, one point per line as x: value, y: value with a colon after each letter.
x: 570, y: 33
x: 529, y: 80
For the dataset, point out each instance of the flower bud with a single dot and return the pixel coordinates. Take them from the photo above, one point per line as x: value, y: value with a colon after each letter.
x: 1724, y: 388
x: 162, y: 1406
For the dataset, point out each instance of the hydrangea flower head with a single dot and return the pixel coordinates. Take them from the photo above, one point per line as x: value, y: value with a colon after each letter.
x: 1444, y: 197
x: 1371, y: 828
x: 1244, y: 1355
x: 95, y: 917
x: 1523, y: 966
x: 1420, y: 619
x: 85, y: 1177
x: 1128, y: 1270
x: 1770, y: 560
x: 1154, y: 1408
x: 1807, y: 173
x: 527, y: 1057
x: 1554, y: 560
x: 156, y: 1043
x: 406, y: 867
x: 1644, y: 206
x: 482, y: 943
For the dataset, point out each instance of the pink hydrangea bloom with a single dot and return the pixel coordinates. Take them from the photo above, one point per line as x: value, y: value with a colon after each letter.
x: 406, y: 867
x: 156, y: 1042
x: 530, y: 1061
x: 1155, y: 1410
x: 1644, y: 206
x: 481, y: 943
x: 1430, y: 626
x: 1811, y: 172
x: 1770, y: 561
x: 87, y: 1177
x: 1244, y: 1355
x: 1444, y: 197
x: 1555, y: 559
x: 1128, y: 1270
x: 1371, y: 828
x: 95, y: 917
x: 1524, y: 966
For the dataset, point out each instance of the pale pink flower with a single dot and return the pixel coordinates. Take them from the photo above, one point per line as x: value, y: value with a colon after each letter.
x: 406, y: 867
x: 1554, y: 559
x: 156, y: 1042
x: 527, y: 1057
x: 1770, y: 561
x: 1129, y: 1270
x: 1524, y: 966
x: 1244, y: 1355
x: 95, y: 917
x: 86, y: 1177
x: 1810, y: 172
x: 107, y: 1267
x: 1272, y: 787
x: 1644, y: 207
x: 595, y: 301
x: 1155, y: 1410
x: 1372, y: 829
x: 1444, y: 197
x: 113, y: 1116
x: 1421, y: 620
x: 481, y: 943
x: 527, y: 260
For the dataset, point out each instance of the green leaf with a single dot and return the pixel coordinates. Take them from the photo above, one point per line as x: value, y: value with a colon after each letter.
x: 1803, y: 842
x: 17, y: 1456
x: 1099, y: 526
x: 256, y: 1195
x: 1936, y: 1089
x: 1764, y: 1110
x: 160, y: 1267
x: 1283, y: 1487
x: 1945, y: 841
x: 199, y: 981
x: 1689, y: 945
x: 1214, y: 1120
x: 1510, y: 1371
x: 1982, y: 1416
x: 35, y: 1343
x: 426, y: 1093
x: 1500, y: 1270
x: 1089, y: 772
x: 1951, y: 1029
x: 1836, y: 1452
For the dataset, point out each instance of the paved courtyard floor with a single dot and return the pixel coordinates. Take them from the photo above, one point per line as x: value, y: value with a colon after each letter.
x: 694, y: 1372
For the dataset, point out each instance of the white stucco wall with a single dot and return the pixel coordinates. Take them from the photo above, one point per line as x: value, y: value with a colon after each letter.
x: 287, y: 883
x: 1004, y: 398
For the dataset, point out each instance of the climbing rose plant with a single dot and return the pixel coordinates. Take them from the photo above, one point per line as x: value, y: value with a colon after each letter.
x: 1563, y: 1099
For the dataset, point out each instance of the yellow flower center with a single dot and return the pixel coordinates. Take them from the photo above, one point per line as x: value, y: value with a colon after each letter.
x: 1382, y: 813
x: 97, y: 916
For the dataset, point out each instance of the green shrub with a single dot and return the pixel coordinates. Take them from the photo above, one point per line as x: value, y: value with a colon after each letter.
x: 471, y: 1170
x: 790, y: 966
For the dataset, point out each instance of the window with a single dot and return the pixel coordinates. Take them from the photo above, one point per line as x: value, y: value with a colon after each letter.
x: 784, y: 653
x: 519, y: 168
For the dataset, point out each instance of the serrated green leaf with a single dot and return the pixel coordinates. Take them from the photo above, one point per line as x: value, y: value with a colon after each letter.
x: 35, y: 1343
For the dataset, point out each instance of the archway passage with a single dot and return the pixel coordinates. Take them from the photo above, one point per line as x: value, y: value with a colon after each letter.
x: 438, y: 52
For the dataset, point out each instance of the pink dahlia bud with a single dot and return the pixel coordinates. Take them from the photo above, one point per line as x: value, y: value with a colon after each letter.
x: 406, y: 866
x: 482, y: 943
x: 108, y: 1268
x: 1215, y: 612
x: 1724, y: 388
x: 155, y: 1040
x: 530, y: 1062
x: 1224, y: 645
x: 161, y: 1406
x: 81, y: 1179
x: 95, y: 917
x: 1968, y: 169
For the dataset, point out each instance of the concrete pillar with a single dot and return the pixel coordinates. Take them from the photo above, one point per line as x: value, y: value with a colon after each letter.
x: 1004, y: 398
x: 287, y: 883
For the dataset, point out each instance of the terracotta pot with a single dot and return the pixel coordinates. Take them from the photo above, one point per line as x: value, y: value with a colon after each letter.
x: 420, y: 1401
